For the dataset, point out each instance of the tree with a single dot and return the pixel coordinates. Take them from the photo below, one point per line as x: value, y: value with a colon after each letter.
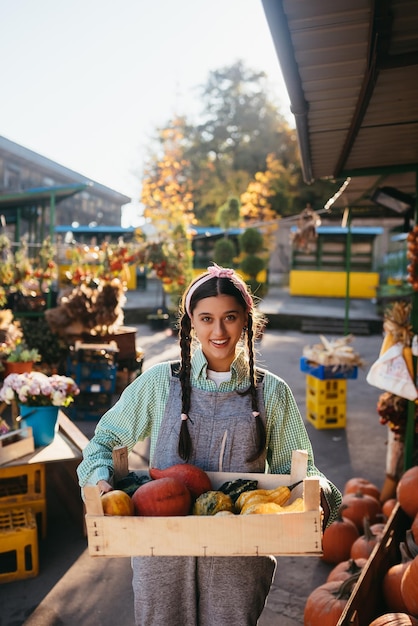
x: 240, y: 127
x: 167, y: 196
x: 257, y: 200
x: 229, y: 213
x: 251, y: 242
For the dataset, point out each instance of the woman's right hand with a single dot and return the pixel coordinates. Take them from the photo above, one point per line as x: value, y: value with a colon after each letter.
x: 104, y: 486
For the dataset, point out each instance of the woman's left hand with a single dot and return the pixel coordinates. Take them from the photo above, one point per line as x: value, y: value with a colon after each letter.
x: 104, y: 486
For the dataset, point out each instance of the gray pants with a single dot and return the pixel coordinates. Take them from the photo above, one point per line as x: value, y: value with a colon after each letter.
x: 204, y: 591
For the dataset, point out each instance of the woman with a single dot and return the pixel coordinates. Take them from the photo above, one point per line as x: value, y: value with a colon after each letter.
x: 216, y: 410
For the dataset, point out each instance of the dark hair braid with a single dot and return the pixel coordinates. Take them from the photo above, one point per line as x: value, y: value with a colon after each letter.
x: 185, y: 443
x: 260, y: 428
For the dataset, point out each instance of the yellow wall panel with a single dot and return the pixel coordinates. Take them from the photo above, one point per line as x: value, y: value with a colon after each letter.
x: 333, y: 284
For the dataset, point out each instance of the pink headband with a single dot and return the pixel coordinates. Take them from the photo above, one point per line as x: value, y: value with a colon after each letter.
x: 219, y: 272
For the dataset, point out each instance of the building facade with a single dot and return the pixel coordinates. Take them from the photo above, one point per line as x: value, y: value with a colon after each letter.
x: 22, y: 169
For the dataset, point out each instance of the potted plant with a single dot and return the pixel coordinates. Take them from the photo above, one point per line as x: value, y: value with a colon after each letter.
x: 14, y: 349
x: 20, y: 358
x: 39, y: 398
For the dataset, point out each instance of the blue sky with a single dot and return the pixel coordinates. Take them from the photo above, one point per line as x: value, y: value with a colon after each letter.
x: 86, y: 82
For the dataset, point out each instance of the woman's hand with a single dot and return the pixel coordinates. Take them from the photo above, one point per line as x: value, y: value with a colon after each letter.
x: 104, y: 487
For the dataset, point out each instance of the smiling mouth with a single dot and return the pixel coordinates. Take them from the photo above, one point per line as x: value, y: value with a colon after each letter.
x: 220, y: 342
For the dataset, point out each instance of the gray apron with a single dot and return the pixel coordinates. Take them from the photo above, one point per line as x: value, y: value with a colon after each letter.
x: 205, y: 591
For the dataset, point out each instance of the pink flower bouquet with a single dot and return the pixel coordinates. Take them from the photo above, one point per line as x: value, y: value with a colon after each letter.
x: 37, y: 389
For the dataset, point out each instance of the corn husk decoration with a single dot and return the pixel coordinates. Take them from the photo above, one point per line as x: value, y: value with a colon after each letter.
x: 397, y: 329
x: 337, y: 352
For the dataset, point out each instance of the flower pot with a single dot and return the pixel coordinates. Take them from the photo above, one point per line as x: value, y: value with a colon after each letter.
x: 17, y: 367
x: 43, y: 420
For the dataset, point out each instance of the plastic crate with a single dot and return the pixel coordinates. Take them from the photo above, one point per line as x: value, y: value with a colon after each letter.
x: 19, y: 557
x: 325, y: 391
x: 323, y: 416
x: 325, y: 372
x: 24, y: 486
x: 93, y: 377
x: 89, y: 406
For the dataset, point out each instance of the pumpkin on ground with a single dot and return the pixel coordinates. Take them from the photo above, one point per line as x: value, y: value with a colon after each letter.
x: 388, y: 506
x: 362, y: 485
x: 338, y: 538
x: 360, y: 505
x: 391, y: 584
x: 346, y: 569
x: 394, y: 619
x: 407, y: 492
x: 364, y: 545
x: 326, y: 603
x: 414, y: 528
x: 409, y: 587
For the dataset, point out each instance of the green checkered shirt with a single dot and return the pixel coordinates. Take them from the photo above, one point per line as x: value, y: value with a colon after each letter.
x: 140, y: 409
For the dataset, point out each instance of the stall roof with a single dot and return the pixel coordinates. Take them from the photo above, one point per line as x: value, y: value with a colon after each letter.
x: 366, y: 231
x: 351, y: 71
x: 111, y: 230
x: 40, y: 195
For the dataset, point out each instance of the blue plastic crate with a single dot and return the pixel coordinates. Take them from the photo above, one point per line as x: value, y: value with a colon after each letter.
x: 325, y: 372
x: 93, y: 377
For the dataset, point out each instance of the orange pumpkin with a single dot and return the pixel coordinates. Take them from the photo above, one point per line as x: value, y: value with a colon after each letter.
x: 364, y: 545
x: 391, y: 584
x: 326, y: 603
x: 195, y: 479
x: 388, y: 506
x: 361, y: 505
x: 394, y: 619
x: 338, y: 538
x: 407, y: 492
x: 409, y: 587
x: 162, y: 497
x: 346, y: 569
x: 414, y: 528
x: 362, y: 485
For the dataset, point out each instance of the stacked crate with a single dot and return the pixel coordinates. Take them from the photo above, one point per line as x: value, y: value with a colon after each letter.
x: 23, y: 516
x: 18, y: 545
x: 326, y: 394
x: 326, y: 402
x: 94, y: 369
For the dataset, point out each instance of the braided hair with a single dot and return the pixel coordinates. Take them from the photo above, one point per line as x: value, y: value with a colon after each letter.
x: 206, y: 287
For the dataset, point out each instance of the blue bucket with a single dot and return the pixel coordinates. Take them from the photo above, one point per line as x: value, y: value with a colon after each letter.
x: 43, y: 420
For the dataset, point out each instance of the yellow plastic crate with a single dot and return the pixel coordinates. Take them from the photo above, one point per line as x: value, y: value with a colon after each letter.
x: 19, y: 557
x: 331, y: 390
x: 24, y: 486
x: 326, y: 415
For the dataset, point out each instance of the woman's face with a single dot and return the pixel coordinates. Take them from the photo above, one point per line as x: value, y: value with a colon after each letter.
x: 218, y: 323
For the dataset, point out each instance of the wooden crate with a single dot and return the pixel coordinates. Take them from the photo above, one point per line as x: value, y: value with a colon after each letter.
x: 15, y: 444
x: 293, y: 533
x: 366, y: 601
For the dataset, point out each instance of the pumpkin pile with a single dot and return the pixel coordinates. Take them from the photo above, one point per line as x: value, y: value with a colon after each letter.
x: 350, y: 540
x: 185, y: 489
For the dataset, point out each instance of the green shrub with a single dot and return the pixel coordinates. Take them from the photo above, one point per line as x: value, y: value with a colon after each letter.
x: 252, y: 265
x: 38, y: 335
x: 224, y: 252
x: 251, y: 241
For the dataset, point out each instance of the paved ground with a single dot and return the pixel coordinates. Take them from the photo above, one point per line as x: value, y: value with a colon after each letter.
x: 75, y: 589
